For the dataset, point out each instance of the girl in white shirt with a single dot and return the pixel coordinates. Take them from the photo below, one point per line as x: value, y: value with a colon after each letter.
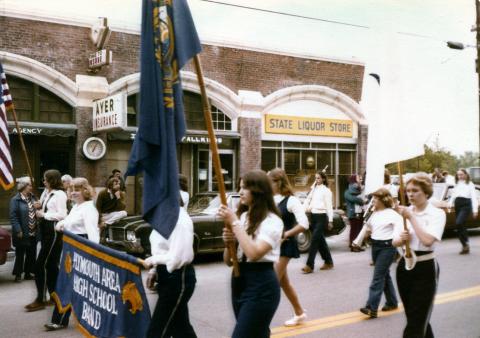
x: 82, y: 221
x: 51, y: 209
x: 417, y: 287
x: 319, y: 202
x: 294, y: 221
x: 175, y: 277
x: 381, y: 224
x: 465, y: 200
x: 258, y: 229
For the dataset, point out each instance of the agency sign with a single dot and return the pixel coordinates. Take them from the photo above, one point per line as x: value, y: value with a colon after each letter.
x: 110, y: 113
x: 286, y: 124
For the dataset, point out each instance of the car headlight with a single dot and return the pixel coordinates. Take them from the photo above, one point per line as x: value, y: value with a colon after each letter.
x: 131, y: 236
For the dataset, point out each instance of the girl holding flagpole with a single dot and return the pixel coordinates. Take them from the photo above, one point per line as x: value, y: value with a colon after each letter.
x: 417, y: 286
x: 295, y: 221
x: 258, y: 228
x: 82, y: 221
x: 175, y: 276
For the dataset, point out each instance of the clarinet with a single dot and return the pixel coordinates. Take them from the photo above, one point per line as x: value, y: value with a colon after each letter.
x: 368, y: 213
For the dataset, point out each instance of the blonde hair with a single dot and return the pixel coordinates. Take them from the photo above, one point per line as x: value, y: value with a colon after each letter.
x: 384, y: 196
x: 423, y: 181
x: 85, y: 187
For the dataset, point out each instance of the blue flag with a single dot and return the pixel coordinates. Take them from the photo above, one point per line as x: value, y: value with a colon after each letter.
x: 169, y: 40
x: 104, y: 289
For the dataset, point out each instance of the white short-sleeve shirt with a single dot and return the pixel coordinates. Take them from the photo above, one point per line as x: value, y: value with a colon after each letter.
x: 383, y: 222
x: 270, y: 231
x: 432, y: 220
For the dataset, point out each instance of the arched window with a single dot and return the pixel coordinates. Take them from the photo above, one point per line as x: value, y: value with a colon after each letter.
x: 35, y: 103
x: 193, y: 113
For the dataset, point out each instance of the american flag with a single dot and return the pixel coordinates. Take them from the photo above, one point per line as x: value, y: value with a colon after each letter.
x: 6, y: 171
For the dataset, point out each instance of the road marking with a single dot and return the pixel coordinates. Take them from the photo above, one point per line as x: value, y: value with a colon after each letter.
x: 356, y: 316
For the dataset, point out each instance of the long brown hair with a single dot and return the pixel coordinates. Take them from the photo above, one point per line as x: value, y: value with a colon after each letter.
x: 259, y: 185
x: 467, y: 180
x: 279, y: 176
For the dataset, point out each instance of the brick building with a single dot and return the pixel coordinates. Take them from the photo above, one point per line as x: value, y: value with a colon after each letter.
x: 270, y: 109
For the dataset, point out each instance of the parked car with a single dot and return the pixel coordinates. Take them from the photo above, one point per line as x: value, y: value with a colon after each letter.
x: 441, y: 194
x: 131, y: 234
x: 5, y: 245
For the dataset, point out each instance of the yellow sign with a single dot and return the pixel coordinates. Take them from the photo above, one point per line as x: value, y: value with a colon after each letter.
x: 285, y: 124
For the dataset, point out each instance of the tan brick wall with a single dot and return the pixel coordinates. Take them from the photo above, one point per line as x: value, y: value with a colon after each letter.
x: 250, y: 155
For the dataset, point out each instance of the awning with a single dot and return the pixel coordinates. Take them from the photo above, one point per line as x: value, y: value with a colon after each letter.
x: 43, y: 129
x: 191, y: 136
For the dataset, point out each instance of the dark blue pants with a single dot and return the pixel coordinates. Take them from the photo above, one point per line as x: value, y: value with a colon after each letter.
x: 255, y: 298
x: 319, y: 223
x: 383, y: 254
x: 417, y: 289
x: 463, y: 209
x: 170, y: 317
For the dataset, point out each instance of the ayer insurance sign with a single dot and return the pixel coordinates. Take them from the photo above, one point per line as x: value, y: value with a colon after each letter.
x: 110, y: 113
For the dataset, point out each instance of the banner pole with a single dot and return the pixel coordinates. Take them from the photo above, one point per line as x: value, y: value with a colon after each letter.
x: 408, y: 253
x: 22, y: 144
x: 215, y: 157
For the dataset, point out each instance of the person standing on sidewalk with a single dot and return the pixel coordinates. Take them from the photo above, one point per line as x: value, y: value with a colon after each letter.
x: 52, y: 209
x: 464, y: 198
x: 294, y: 221
x: 355, y: 202
x: 24, y: 229
x: 381, y: 224
x: 319, y: 204
x: 417, y: 287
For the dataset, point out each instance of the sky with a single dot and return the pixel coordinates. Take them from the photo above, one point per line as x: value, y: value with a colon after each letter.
x: 441, y: 85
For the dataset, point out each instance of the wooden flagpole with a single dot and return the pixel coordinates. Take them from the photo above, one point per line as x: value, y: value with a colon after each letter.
x: 216, y: 158
x: 22, y: 144
x: 408, y: 252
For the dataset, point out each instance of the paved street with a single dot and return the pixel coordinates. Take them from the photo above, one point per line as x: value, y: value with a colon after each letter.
x: 331, y: 298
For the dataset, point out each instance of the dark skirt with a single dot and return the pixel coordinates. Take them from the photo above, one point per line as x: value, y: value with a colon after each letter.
x: 289, y: 248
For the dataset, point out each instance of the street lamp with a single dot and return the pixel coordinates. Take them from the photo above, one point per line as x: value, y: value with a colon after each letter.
x: 460, y: 46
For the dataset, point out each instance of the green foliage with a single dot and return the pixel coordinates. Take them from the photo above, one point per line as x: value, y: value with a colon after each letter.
x: 435, y: 158
x: 469, y: 159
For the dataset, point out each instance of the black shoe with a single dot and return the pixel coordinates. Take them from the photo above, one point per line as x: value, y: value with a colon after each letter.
x: 18, y: 278
x: 54, y: 327
x: 29, y: 277
x: 465, y: 250
x: 389, y: 307
x: 369, y: 312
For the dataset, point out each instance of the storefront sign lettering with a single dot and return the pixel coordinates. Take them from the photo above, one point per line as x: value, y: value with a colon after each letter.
x: 110, y: 113
x: 199, y: 139
x: 284, y: 124
x: 28, y: 131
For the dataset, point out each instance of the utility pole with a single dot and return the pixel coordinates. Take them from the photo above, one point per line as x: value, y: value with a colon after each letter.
x: 477, y: 66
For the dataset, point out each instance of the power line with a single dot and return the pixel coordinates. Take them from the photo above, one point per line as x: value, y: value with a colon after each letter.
x: 314, y: 19
x: 286, y: 14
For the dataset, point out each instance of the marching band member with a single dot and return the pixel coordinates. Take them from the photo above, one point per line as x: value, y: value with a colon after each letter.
x: 465, y: 200
x: 382, y: 222
x: 417, y: 287
x: 175, y: 277
x: 256, y: 292
x: 294, y: 221
x: 51, y: 209
x: 319, y: 203
x: 82, y: 221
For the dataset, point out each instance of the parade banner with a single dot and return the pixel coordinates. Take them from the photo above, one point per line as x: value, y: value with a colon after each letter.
x: 104, y: 289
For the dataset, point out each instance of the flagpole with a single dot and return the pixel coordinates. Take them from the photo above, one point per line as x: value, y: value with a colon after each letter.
x: 401, y: 192
x: 216, y: 158
x: 22, y: 144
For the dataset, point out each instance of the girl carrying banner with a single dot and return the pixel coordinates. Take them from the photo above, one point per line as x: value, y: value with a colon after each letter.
x: 175, y: 277
x: 257, y: 227
x: 82, y: 221
x: 417, y: 286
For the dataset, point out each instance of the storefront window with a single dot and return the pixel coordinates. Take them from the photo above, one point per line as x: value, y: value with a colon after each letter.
x: 34, y: 103
x: 193, y: 113
x: 302, y: 161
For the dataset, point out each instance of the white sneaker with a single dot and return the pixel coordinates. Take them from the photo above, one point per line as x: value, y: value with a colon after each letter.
x: 296, y: 320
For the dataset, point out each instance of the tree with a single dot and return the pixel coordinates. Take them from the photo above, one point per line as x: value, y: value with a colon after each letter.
x: 433, y: 158
x: 469, y: 159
